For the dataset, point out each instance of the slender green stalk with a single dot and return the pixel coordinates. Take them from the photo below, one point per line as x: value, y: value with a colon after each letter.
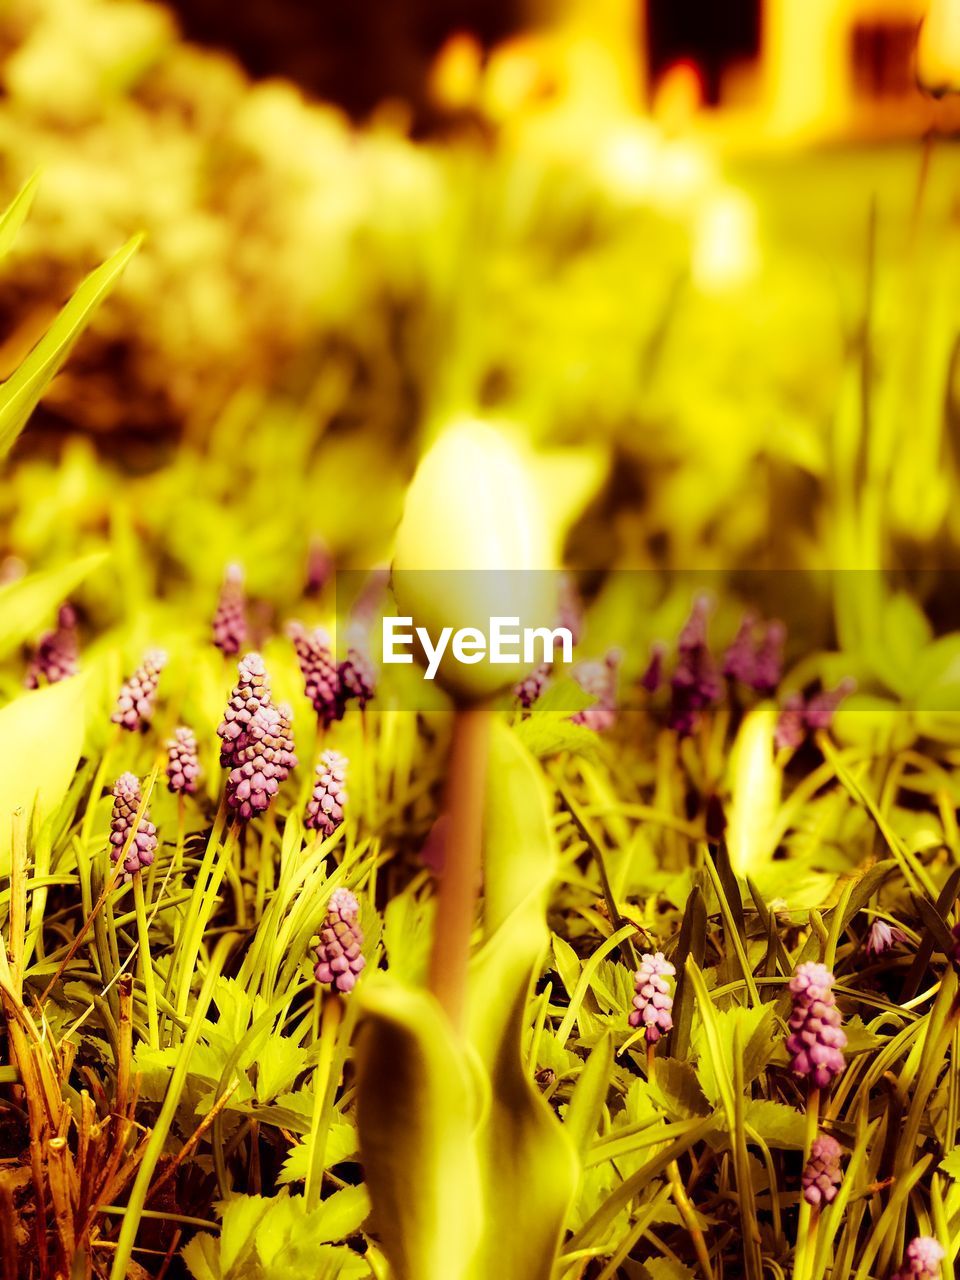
x: 146, y: 964
x: 460, y: 878
x: 329, y: 1015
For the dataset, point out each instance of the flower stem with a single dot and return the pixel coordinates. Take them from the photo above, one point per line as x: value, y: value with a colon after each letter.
x: 146, y: 964
x: 806, y: 1231
x: 459, y: 880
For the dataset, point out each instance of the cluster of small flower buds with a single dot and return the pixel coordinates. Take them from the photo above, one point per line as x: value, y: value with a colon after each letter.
x: 756, y: 661
x: 319, y: 669
x: 329, y: 798
x: 816, y: 1041
x: 56, y: 655
x: 230, y: 619
x: 135, y: 702
x: 263, y: 760
x: 922, y: 1260
x: 800, y: 716
x: 143, y: 843
x: 695, y: 684
x: 183, y: 768
x: 821, y: 1176
x: 251, y: 692
x: 340, y: 959
x: 599, y: 679
x: 653, y: 1001
x: 881, y: 936
x: 357, y: 678
x: 529, y: 689
x: 652, y: 677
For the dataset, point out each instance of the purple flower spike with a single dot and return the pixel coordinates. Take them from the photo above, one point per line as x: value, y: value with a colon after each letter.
x: 653, y: 1002
x: 881, y: 936
x: 768, y: 659
x: 250, y: 694
x: 286, y: 756
x: 328, y: 801
x: 357, y: 677
x: 696, y: 682
x: 599, y: 679
x: 183, y: 769
x: 652, y: 678
x: 740, y: 659
x: 230, y: 619
x: 922, y: 1260
x: 822, y: 706
x: 55, y: 657
x: 135, y: 702
x: 791, y: 724
x: 339, y: 956
x: 261, y: 764
x: 529, y: 689
x: 319, y: 669
x: 126, y: 801
x: 821, y: 1174
x: 816, y: 1041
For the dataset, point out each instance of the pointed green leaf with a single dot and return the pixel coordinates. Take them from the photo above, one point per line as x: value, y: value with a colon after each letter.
x: 21, y: 391
x: 12, y: 218
x: 31, y: 603
x: 416, y: 1114
x: 589, y: 1095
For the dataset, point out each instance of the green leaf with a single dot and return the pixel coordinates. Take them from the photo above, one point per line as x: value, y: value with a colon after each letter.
x: 692, y: 942
x: 563, y: 698
x: 567, y: 963
x: 675, y: 1087
x: 278, y: 1065
x: 342, y: 1214
x: 756, y: 1034
x: 12, y: 218
x: 31, y: 603
x: 548, y: 735
x: 41, y: 738
x: 667, y: 1269
x: 416, y: 1114
x: 590, y: 1094
x: 776, y: 1123
x: 202, y: 1256
x: 527, y: 1197
x: 341, y: 1145
x: 950, y: 1164
x: 407, y: 927
x: 21, y: 391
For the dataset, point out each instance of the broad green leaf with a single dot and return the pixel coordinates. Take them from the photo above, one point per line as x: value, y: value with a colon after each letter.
x: 567, y: 963
x: 755, y: 782
x: 777, y: 1124
x: 416, y: 1113
x: 341, y: 1145
x: 527, y: 1197
x: 21, y: 391
x: 756, y: 1035
x: 278, y: 1065
x: 548, y: 735
x: 12, y: 218
x: 951, y: 1164
x: 407, y: 925
x: 202, y: 1256
x: 667, y: 1269
x: 675, y: 1087
x: 342, y: 1214
x: 41, y: 738
x: 31, y: 603
x: 241, y: 1215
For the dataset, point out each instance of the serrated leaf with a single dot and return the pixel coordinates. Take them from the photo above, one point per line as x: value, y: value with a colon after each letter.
x: 21, y: 391
x: 667, y: 1269
x: 674, y: 1085
x: 776, y: 1123
x: 755, y: 1034
x: 407, y: 930
x: 341, y: 1145
x: 562, y: 697
x: 342, y: 1214
x: 548, y: 735
x: 278, y: 1066
x: 950, y: 1164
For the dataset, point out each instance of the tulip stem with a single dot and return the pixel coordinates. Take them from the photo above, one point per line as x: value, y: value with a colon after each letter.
x: 460, y: 876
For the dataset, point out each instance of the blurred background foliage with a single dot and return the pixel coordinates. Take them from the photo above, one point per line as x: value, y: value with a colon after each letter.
x: 744, y: 349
